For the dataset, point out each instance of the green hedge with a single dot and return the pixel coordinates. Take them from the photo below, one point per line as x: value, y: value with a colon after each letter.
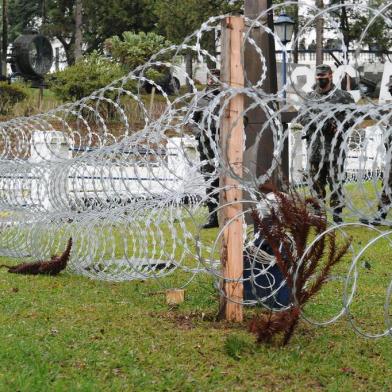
x: 90, y: 73
x: 10, y: 95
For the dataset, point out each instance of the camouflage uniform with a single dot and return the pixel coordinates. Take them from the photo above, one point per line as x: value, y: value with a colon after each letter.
x: 320, y: 145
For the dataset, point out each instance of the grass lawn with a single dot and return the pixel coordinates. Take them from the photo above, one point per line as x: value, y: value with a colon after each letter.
x: 69, y: 333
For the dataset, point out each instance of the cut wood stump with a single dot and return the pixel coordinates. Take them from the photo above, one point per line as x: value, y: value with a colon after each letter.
x: 175, y: 297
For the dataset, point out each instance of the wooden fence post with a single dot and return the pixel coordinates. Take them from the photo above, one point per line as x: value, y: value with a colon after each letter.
x: 232, y: 143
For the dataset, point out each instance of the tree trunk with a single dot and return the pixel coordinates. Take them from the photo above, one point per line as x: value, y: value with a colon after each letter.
x: 78, y: 30
x: 189, y: 69
x: 345, y: 27
x: 68, y: 49
x: 319, y: 34
x: 295, y: 38
x: 43, y: 12
x: 4, y: 45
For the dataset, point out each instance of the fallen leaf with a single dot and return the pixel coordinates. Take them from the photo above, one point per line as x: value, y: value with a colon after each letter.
x: 347, y: 370
x: 80, y: 365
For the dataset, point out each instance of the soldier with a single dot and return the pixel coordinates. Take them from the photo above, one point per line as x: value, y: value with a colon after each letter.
x: 321, y: 127
x: 386, y: 195
x: 204, y: 147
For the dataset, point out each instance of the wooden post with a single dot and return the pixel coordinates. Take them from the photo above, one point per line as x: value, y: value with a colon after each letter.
x: 232, y: 142
x: 152, y: 101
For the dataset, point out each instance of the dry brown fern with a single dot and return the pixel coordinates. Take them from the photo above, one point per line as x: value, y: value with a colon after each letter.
x: 52, y: 267
x: 266, y: 325
x: 287, y: 231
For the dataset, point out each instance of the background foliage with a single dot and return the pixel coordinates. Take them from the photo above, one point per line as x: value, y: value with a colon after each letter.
x: 90, y: 73
x: 10, y: 95
x: 132, y: 50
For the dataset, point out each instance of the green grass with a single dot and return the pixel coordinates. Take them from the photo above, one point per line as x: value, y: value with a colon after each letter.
x: 69, y: 333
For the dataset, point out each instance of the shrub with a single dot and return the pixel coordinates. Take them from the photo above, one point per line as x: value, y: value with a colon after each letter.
x: 10, y: 95
x: 87, y: 75
x: 134, y: 49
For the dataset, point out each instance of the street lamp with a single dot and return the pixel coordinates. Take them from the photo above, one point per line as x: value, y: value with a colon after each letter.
x: 284, y: 28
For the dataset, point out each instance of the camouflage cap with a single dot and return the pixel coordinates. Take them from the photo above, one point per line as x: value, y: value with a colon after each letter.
x: 323, y: 69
